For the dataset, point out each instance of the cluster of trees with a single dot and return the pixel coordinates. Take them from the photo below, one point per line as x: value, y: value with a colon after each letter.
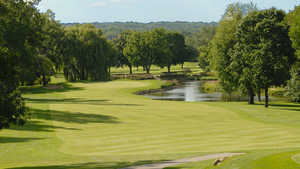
x: 156, y: 47
x: 20, y: 39
x: 34, y: 46
x: 252, y: 50
x: 87, y: 55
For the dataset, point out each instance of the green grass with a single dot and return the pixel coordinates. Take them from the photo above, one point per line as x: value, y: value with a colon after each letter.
x: 266, y: 159
x: 104, y: 125
x: 155, y: 70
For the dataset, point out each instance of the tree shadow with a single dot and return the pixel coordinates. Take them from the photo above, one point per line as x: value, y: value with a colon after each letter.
x: 92, y: 165
x: 77, y: 101
x: 37, y: 126
x: 70, y: 117
x: 61, y: 116
x: 51, y: 88
x: 286, y: 105
x: 16, y: 139
x: 290, y: 107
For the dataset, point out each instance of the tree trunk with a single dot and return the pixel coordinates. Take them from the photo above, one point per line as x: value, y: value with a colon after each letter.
x: 148, y: 69
x: 130, y: 69
x: 182, y: 65
x: 169, y: 68
x: 267, y: 97
x: 44, y: 80
x: 251, y: 96
x: 259, y: 95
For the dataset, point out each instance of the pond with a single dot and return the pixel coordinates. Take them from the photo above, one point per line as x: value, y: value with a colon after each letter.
x: 189, y: 92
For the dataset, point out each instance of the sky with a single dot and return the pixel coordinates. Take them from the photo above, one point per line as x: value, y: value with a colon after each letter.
x: 68, y: 11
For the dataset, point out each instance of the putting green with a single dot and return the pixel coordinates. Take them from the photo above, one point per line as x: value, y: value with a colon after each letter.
x: 104, y: 125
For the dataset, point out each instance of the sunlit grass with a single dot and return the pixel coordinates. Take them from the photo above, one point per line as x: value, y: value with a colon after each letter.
x: 105, y: 125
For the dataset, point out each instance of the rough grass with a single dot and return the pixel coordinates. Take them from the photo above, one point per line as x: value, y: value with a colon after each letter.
x: 105, y: 126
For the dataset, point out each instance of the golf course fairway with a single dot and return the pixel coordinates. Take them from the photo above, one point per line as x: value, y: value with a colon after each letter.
x: 105, y: 125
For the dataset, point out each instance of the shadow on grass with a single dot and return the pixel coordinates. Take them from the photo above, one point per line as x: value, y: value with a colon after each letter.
x: 16, y: 139
x: 70, y: 117
x: 61, y: 116
x: 289, y: 107
x: 286, y: 105
x: 91, y: 165
x: 77, y: 101
x: 37, y: 126
x: 52, y: 88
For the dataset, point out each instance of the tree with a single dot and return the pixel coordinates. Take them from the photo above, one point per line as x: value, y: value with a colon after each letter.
x: 121, y: 43
x: 171, y: 50
x: 86, y: 54
x: 144, y: 48
x: 293, y: 19
x: 293, y: 87
x: 222, y: 47
x: 20, y: 38
x: 52, y: 35
x: 203, y: 58
x: 263, y: 52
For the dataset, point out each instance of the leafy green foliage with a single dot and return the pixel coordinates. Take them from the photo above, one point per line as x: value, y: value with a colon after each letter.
x: 263, y: 53
x: 158, y: 46
x: 293, y: 85
x: 86, y: 54
x: 222, y: 47
x: 20, y: 38
x: 294, y: 22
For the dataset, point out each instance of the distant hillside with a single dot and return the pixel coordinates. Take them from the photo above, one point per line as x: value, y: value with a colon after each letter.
x: 112, y: 29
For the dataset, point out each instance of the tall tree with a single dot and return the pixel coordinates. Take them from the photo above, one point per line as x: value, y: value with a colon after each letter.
x: 221, y: 51
x: 121, y: 43
x: 293, y: 87
x: 264, y: 51
x: 172, y: 49
x: 20, y: 38
x: 86, y: 54
x: 222, y: 46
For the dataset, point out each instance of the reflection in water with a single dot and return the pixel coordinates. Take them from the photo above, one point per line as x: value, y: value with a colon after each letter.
x: 190, y: 92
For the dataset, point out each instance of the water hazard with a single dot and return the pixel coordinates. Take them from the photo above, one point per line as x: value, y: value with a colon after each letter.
x: 189, y: 92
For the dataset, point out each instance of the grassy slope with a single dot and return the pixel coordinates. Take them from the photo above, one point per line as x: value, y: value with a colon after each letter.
x: 104, y: 125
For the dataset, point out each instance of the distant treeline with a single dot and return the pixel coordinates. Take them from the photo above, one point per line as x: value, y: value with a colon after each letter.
x: 113, y: 29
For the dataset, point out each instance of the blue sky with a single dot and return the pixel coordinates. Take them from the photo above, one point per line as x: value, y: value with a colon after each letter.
x: 148, y: 10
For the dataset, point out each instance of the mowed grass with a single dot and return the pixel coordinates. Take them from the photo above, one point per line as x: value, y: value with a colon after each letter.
x: 155, y: 70
x: 105, y: 125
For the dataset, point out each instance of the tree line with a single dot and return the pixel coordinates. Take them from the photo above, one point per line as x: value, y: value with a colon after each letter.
x: 254, y: 50
x: 34, y: 47
x: 155, y: 47
x: 112, y: 30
